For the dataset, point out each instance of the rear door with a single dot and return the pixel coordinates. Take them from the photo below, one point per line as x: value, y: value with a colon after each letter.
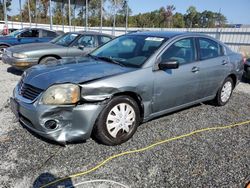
x: 214, y: 66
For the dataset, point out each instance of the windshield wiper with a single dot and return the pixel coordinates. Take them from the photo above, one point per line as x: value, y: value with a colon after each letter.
x: 111, y: 60
x: 93, y: 57
x: 107, y: 59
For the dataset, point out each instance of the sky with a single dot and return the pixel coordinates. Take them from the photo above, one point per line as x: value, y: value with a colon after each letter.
x: 236, y: 11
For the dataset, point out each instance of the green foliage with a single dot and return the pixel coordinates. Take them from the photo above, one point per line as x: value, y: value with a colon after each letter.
x: 8, y: 4
x: 161, y: 18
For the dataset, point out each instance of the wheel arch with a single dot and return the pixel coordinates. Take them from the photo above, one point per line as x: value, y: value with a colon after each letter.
x: 137, y: 99
x: 5, y: 44
x: 49, y: 55
x: 234, y: 78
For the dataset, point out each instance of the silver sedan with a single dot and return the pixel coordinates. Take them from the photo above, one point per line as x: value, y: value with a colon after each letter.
x: 69, y: 45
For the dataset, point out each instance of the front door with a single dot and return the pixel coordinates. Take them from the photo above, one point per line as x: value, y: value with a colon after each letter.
x: 176, y: 87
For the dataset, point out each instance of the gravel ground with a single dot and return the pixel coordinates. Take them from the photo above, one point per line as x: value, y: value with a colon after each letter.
x: 209, y: 159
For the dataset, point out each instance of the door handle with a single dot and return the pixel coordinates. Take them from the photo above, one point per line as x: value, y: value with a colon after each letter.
x: 224, y: 62
x: 195, y: 69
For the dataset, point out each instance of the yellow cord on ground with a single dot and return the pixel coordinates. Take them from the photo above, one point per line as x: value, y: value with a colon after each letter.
x: 144, y: 149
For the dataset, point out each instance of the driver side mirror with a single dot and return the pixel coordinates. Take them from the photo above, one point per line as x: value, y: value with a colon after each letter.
x: 170, y: 64
x: 81, y: 47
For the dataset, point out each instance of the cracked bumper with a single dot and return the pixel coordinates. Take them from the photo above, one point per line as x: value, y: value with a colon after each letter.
x: 75, y: 123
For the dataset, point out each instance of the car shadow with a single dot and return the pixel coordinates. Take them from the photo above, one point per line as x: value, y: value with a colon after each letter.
x: 245, y: 80
x: 45, y: 178
x: 12, y: 70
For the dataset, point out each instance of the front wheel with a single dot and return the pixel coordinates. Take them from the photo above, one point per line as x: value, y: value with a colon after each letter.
x: 47, y: 60
x: 225, y: 92
x: 118, y: 121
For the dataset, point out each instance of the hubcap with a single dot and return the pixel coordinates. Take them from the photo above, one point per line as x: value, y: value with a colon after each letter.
x: 1, y: 52
x: 120, y: 119
x: 226, y: 91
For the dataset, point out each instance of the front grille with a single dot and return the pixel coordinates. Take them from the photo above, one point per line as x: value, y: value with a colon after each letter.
x: 28, y: 91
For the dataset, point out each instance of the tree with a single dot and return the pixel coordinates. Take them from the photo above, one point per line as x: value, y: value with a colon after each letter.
x: 8, y: 4
x: 25, y: 10
x: 191, y: 13
x: 169, y: 15
x: 44, y: 8
x: 178, y: 20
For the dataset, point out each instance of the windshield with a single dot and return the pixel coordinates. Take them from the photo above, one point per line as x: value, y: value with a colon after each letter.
x: 65, y: 40
x: 130, y: 50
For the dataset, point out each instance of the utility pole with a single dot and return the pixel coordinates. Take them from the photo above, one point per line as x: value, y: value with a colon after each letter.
x: 69, y: 16
x: 50, y: 15
x: 127, y: 14
x: 101, y: 15
x: 114, y: 17
x: 5, y: 13
x: 20, y: 12
x: 29, y: 12
x: 86, y: 15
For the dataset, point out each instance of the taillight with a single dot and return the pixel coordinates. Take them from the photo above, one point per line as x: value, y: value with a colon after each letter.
x: 244, y: 60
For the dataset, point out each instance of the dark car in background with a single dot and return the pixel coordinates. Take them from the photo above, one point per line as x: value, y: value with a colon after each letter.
x: 247, y: 69
x: 24, y: 36
x: 69, y: 45
x: 130, y: 80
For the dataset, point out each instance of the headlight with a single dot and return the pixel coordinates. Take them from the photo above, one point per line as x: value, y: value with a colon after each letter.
x: 19, y: 56
x: 61, y: 94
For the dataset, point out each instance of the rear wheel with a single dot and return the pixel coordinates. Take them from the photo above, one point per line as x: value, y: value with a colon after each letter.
x: 225, y: 92
x: 46, y: 60
x: 118, y: 121
x: 2, y: 48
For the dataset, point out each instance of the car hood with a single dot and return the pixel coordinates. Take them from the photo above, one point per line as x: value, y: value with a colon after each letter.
x: 71, y: 71
x: 34, y: 47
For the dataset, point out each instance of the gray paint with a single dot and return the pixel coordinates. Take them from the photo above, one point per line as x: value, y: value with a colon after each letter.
x: 36, y: 51
x: 159, y: 91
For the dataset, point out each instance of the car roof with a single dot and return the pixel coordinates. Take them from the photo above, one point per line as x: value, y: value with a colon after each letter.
x: 167, y: 34
x: 91, y: 33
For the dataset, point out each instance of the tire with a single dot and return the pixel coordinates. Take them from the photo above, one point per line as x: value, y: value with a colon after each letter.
x: 225, y: 92
x: 110, y: 127
x: 2, y: 47
x: 46, y: 60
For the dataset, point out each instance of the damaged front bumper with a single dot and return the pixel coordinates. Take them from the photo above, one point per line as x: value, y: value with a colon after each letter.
x: 60, y: 123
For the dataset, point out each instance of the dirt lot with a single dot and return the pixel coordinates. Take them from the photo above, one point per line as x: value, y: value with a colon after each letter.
x: 209, y: 159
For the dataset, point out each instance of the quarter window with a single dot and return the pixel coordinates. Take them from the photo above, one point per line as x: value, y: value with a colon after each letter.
x: 209, y: 49
x: 48, y: 33
x: 182, y: 51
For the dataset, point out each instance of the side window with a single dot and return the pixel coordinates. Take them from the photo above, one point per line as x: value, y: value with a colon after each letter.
x: 86, y: 41
x: 30, y: 33
x: 48, y: 33
x: 104, y: 39
x: 209, y: 49
x: 182, y: 51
